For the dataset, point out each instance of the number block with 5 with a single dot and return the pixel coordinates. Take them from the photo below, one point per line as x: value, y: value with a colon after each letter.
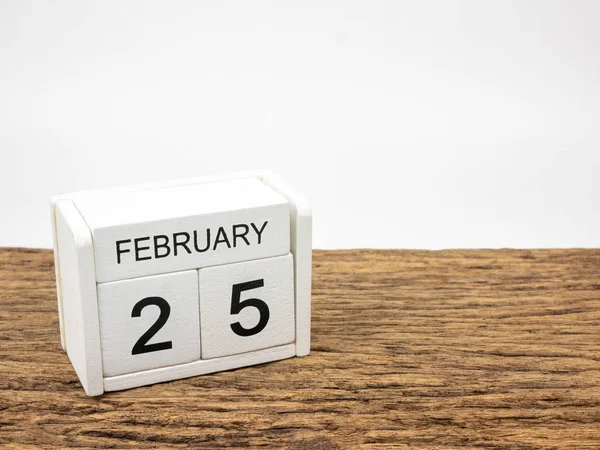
x: 171, y: 280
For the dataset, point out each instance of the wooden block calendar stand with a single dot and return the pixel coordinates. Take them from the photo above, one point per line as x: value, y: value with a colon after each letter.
x: 223, y: 262
x: 489, y: 349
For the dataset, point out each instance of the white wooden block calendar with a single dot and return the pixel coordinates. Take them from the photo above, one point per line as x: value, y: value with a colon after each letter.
x: 171, y: 280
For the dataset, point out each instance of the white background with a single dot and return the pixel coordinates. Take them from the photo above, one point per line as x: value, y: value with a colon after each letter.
x: 407, y: 124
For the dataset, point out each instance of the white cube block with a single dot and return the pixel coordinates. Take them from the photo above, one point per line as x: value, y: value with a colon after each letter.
x: 247, y: 306
x: 171, y: 280
x: 149, y: 322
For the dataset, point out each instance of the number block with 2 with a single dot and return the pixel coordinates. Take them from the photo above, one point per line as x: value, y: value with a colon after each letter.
x: 177, y: 279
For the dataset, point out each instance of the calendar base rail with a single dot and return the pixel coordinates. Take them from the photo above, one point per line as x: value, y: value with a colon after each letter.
x: 200, y: 367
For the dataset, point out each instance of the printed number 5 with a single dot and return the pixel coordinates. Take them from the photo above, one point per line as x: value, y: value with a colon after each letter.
x: 237, y: 306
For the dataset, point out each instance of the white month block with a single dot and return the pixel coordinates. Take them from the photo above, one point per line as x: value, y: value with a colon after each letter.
x: 149, y: 322
x: 247, y: 306
x: 181, y: 278
x: 177, y: 228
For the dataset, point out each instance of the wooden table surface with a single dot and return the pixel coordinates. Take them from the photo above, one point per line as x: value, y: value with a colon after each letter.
x: 493, y: 349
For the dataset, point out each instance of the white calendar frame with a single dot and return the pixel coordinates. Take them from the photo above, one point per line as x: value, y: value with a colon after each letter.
x: 78, y: 308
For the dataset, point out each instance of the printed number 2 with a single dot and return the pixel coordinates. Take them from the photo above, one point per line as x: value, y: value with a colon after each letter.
x: 237, y: 306
x: 142, y: 346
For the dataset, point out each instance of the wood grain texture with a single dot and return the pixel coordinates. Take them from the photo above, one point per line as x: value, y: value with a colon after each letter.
x: 493, y: 349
